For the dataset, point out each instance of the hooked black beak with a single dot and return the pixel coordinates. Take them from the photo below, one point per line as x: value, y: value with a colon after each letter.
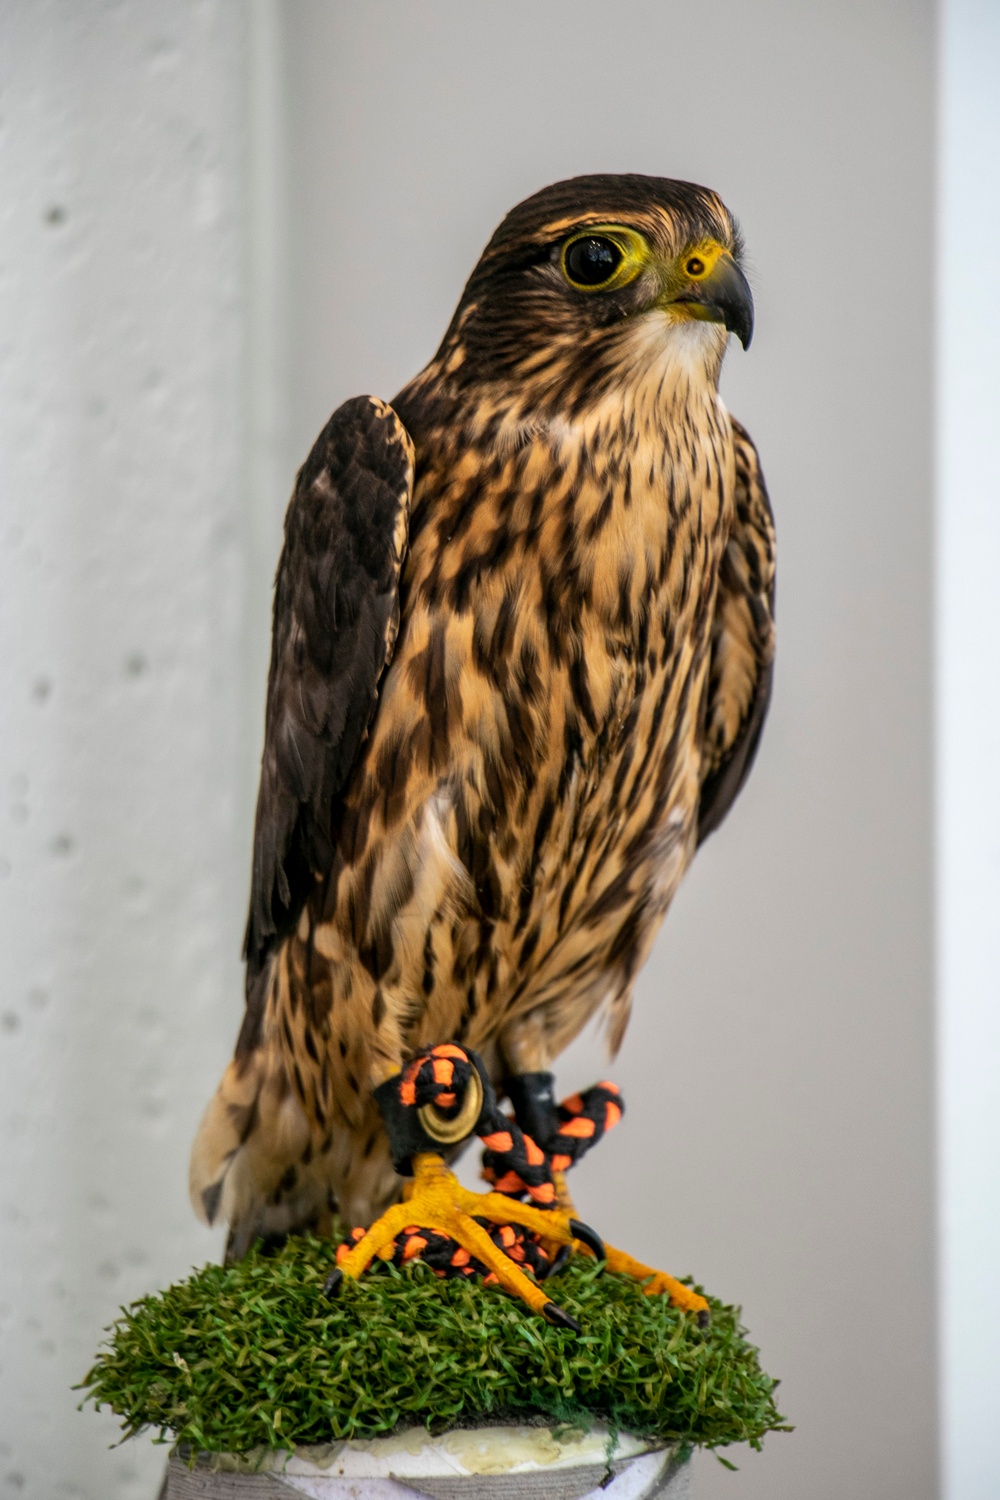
x: 723, y: 296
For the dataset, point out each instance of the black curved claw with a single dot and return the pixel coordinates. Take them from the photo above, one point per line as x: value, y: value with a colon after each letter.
x: 559, y: 1317
x: 588, y: 1237
x: 704, y: 1317
x: 332, y: 1284
x: 559, y: 1261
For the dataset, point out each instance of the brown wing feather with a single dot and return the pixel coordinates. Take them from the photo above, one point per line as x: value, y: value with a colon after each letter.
x: 739, y: 684
x: 336, y: 613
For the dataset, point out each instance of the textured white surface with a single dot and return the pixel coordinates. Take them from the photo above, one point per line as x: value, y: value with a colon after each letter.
x: 643, y: 1479
x: 968, y: 743
x: 514, y: 1462
x: 123, y: 832
x: 414, y: 1454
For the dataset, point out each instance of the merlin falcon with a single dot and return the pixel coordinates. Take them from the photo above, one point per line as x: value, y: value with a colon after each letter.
x: 522, y: 652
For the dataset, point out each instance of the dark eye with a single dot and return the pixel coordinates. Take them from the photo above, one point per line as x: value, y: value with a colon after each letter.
x: 694, y: 265
x: 592, y: 261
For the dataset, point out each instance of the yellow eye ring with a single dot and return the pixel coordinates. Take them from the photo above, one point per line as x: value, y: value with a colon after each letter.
x: 603, y: 257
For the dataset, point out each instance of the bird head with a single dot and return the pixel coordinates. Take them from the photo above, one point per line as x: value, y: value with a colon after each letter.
x: 594, y: 277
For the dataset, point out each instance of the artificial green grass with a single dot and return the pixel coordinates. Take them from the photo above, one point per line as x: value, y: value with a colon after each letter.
x: 252, y: 1355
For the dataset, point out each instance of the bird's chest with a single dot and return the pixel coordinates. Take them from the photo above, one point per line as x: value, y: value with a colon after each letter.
x: 534, y: 765
x: 560, y: 605
x: 621, y: 588
x: 593, y: 645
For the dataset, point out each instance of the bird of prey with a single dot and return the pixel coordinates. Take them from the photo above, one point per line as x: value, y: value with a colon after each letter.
x: 522, y: 653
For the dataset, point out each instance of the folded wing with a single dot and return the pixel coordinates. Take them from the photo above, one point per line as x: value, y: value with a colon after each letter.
x: 336, y: 613
x: 739, y: 684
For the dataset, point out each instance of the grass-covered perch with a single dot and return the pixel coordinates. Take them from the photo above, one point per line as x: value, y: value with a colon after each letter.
x: 252, y: 1354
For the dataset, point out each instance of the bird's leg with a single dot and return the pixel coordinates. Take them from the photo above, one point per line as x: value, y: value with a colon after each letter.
x: 437, y: 1101
x: 568, y: 1130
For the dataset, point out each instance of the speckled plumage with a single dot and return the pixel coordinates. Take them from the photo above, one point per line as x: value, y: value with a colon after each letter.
x: 471, y: 829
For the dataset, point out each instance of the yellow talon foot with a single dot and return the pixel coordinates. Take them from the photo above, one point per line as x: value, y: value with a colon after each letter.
x: 659, y: 1282
x: 439, y: 1202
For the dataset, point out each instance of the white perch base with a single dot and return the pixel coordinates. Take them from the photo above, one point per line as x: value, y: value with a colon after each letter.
x: 488, y: 1463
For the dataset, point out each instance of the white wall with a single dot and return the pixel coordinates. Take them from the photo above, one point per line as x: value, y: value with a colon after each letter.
x: 968, y: 747
x: 778, y: 1070
x: 123, y: 833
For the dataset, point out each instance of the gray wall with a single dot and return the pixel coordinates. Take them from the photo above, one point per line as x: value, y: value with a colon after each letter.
x: 778, y: 1068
